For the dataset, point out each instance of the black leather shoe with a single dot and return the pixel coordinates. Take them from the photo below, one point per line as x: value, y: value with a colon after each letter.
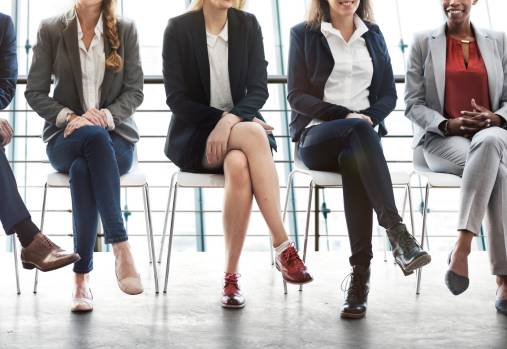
x: 356, y: 299
x: 501, y: 306
x: 407, y: 252
x: 456, y: 283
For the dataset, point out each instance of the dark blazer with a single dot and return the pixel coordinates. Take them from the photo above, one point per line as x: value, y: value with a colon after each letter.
x: 311, y: 64
x: 187, y: 81
x: 8, y: 61
x: 56, y: 54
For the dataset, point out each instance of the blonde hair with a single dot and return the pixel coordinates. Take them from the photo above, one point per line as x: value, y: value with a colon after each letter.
x: 114, y: 61
x: 319, y: 11
x: 196, y: 5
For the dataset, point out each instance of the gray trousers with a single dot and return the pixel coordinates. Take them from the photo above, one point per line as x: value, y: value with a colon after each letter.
x: 482, y: 163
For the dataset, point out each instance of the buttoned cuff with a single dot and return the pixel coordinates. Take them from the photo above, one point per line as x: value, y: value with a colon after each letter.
x: 61, y: 118
x: 109, y: 118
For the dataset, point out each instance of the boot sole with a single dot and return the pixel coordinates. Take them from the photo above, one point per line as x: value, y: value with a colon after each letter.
x: 29, y: 265
x: 419, y: 262
x: 352, y: 316
x: 226, y: 306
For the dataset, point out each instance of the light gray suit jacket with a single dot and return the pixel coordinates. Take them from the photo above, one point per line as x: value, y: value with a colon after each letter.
x: 56, y: 55
x: 425, y: 79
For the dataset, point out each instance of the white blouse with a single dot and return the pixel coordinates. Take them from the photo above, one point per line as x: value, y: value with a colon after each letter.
x: 93, y: 66
x: 353, y: 69
x: 218, y: 55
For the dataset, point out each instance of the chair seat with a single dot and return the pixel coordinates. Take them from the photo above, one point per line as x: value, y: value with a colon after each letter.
x: 329, y: 179
x: 135, y: 178
x: 200, y: 180
x: 438, y: 180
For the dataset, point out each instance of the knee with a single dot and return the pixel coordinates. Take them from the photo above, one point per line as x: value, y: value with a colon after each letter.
x: 98, y: 136
x: 252, y: 131
x: 79, y: 169
x: 489, y: 139
x: 236, y: 168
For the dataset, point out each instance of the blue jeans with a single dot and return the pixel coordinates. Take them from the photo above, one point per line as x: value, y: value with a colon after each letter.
x: 12, y: 208
x: 352, y: 147
x: 94, y: 159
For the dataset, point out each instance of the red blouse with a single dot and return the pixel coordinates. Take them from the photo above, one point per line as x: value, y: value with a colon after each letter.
x: 464, y: 83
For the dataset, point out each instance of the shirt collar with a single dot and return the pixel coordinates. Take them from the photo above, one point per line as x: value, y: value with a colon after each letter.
x: 328, y: 30
x: 99, y: 28
x: 224, y: 35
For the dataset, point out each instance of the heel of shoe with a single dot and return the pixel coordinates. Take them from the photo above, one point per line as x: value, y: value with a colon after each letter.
x: 28, y: 265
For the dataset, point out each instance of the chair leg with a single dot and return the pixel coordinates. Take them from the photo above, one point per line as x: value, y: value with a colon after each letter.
x: 404, y: 205
x: 171, y: 233
x: 307, y: 224
x: 151, y: 243
x: 43, y: 214
x: 410, y: 207
x: 16, y: 266
x: 145, y: 206
x: 425, y: 209
x: 286, y: 203
x: 166, y: 217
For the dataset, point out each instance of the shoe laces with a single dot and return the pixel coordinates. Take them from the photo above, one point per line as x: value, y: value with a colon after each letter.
x: 48, y: 243
x: 291, y: 255
x: 352, y: 285
x: 231, y: 279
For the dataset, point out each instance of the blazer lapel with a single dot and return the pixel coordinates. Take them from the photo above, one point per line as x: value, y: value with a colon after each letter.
x: 201, y: 52
x: 376, y: 59
x: 71, y: 45
x: 236, y: 55
x: 438, y: 49
x: 487, y: 51
x: 108, y: 75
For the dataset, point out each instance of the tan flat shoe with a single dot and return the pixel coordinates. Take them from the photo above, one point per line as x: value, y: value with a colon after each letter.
x: 82, y: 304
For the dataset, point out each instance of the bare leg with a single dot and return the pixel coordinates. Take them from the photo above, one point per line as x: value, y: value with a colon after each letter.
x: 250, y: 138
x: 501, y: 281
x: 237, y: 206
x: 81, y: 286
x: 459, y: 262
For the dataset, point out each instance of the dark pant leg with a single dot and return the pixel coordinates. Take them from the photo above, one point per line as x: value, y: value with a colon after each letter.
x: 352, y: 147
x: 88, y: 155
x: 12, y: 208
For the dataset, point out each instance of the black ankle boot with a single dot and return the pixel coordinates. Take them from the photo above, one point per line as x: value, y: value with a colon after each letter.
x: 356, y: 298
x: 407, y: 253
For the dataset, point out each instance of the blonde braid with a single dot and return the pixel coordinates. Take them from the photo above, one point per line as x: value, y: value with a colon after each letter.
x: 113, y: 61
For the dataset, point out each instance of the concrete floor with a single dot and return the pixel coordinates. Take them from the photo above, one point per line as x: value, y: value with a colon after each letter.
x: 189, y: 316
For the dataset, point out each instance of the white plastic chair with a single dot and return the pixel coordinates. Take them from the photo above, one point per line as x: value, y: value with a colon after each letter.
x: 135, y: 178
x: 182, y: 179
x: 434, y: 180
x: 324, y: 179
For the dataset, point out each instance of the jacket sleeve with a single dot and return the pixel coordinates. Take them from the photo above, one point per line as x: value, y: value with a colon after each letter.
x: 39, y: 79
x: 386, y: 99
x: 131, y: 96
x: 300, y: 100
x: 415, y: 93
x: 178, y: 100
x: 8, y: 63
x: 257, y: 77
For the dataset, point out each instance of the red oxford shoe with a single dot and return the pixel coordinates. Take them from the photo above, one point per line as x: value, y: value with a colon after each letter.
x: 293, y: 269
x: 232, y: 297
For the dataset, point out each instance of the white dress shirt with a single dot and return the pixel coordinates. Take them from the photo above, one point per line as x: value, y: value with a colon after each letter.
x: 353, y: 68
x: 93, y: 67
x: 218, y: 55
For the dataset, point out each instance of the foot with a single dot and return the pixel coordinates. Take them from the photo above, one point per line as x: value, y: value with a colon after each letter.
x: 45, y: 255
x: 128, y: 278
x: 293, y: 269
x: 407, y: 252
x: 456, y: 277
x: 82, y: 298
x: 501, y: 295
x: 232, y: 297
x: 356, y: 299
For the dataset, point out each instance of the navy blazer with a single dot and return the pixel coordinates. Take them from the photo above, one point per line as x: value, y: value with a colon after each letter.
x: 187, y: 81
x: 8, y: 61
x: 311, y: 64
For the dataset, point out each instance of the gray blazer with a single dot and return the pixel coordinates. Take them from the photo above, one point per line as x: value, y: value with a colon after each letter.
x: 425, y: 79
x: 56, y: 55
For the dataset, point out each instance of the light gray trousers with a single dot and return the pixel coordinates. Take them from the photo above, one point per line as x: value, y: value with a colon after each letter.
x: 482, y: 163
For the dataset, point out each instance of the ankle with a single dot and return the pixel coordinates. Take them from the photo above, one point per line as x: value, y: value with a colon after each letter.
x: 501, y: 281
x: 81, y: 280
x: 121, y: 247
